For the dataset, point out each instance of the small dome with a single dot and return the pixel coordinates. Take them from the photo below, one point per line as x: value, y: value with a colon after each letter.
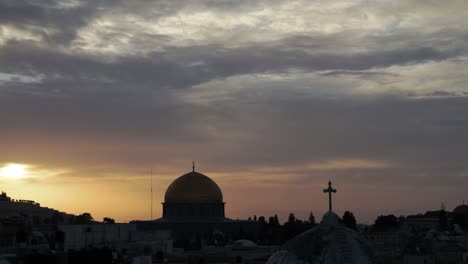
x: 461, y: 209
x: 244, y: 243
x: 193, y: 187
x: 326, y: 244
x: 330, y: 218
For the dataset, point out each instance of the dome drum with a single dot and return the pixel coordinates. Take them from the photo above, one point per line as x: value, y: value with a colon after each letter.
x: 193, y: 211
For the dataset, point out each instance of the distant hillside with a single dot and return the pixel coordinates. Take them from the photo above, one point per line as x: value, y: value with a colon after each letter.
x: 27, y: 209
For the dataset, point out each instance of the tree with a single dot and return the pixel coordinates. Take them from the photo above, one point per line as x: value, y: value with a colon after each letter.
x: 291, y: 218
x: 271, y: 221
x: 293, y: 227
x: 401, y: 219
x: 84, y: 218
x: 349, y: 220
x: 262, y: 220
x: 386, y: 222
x: 312, y: 218
x: 108, y: 220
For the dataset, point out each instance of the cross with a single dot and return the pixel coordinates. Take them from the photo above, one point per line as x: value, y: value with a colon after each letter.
x: 193, y: 165
x: 329, y: 190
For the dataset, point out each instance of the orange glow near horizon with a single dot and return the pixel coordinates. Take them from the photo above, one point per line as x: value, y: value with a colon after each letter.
x: 125, y: 195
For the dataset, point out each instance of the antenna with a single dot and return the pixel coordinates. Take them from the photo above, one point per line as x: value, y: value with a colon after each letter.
x: 151, y: 194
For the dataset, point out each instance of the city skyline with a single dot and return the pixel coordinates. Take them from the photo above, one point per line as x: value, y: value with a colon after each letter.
x: 272, y: 99
x: 155, y: 210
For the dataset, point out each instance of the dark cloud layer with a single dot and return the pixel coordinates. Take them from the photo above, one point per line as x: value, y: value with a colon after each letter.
x: 47, y: 19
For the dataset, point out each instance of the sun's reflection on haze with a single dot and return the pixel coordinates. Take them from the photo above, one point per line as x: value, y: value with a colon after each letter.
x: 14, y: 171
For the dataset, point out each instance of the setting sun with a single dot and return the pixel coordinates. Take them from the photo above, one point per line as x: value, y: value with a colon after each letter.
x: 13, y: 171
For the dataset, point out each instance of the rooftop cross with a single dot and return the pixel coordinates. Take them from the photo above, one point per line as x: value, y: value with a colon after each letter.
x: 193, y: 166
x: 329, y: 190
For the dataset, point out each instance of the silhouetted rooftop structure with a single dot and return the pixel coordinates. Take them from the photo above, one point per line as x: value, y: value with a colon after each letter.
x: 193, y: 208
x: 330, y: 242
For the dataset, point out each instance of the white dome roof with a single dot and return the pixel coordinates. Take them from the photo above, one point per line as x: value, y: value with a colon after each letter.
x: 327, y: 243
x: 330, y: 218
x: 244, y: 243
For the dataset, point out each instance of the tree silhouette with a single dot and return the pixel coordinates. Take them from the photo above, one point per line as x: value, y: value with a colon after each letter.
x: 262, y: 220
x: 108, y: 220
x: 272, y: 221
x: 84, y: 218
x: 293, y: 227
x: 312, y: 218
x: 401, y: 219
x: 385, y: 222
x: 349, y: 220
x: 291, y: 218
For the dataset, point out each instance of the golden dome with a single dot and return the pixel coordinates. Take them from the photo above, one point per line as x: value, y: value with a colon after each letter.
x: 193, y: 187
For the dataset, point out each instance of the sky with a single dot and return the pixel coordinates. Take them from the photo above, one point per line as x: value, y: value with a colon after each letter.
x: 271, y: 99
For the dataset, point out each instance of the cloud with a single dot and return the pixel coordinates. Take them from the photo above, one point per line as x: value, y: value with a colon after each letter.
x: 371, y: 93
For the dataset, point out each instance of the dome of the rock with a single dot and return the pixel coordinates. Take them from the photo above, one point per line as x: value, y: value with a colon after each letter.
x: 193, y: 187
x: 193, y: 210
x: 193, y: 196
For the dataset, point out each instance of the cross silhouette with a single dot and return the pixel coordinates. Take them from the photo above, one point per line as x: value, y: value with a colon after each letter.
x: 329, y: 190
